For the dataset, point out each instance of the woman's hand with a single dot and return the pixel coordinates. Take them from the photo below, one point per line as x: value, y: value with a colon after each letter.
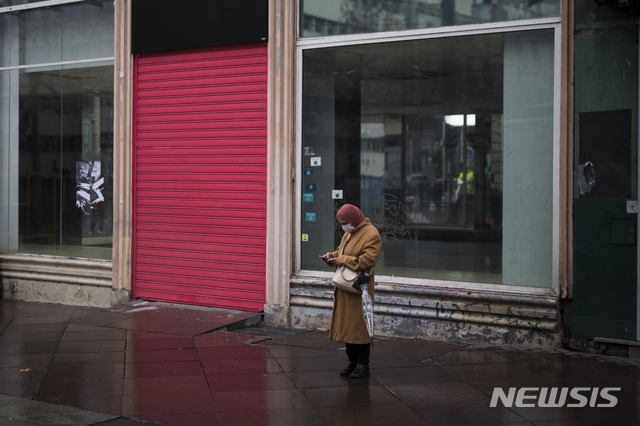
x: 331, y: 261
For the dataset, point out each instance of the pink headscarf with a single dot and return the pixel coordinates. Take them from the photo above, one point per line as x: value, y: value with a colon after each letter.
x: 351, y: 214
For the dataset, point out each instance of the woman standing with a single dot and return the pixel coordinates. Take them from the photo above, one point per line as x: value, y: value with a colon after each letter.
x: 362, y: 244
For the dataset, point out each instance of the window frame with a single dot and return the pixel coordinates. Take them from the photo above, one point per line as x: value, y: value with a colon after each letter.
x: 39, y: 4
x: 59, y: 66
x: 310, y: 43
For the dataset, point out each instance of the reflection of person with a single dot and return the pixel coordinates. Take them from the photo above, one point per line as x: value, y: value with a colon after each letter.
x: 469, y: 198
x: 361, y: 253
x: 469, y: 181
x: 470, y: 185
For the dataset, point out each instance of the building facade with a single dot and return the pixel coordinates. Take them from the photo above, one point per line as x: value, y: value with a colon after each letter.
x: 486, y: 141
x: 433, y: 117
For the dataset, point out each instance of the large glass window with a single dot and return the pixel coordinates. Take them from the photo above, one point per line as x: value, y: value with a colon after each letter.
x: 336, y: 17
x: 445, y: 144
x: 56, y: 137
x: 5, y: 3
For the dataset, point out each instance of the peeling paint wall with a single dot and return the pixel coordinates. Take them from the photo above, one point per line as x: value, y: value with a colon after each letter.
x: 439, y: 314
x: 277, y: 315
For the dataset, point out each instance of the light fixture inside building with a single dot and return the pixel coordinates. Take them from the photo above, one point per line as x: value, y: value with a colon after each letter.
x: 458, y: 120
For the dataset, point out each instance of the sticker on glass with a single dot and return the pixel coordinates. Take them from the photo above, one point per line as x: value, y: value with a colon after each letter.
x: 311, y: 187
x: 307, y: 198
x: 316, y: 161
x: 308, y: 151
x: 305, y: 237
x: 336, y: 194
x: 308, y: 171
x: 310, y: 217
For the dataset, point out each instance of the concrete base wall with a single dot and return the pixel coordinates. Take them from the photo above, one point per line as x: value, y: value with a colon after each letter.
x: 68, y: 281
x: 276, y: 315
x: 63, y: 293
x: 439, y: 330
x: 442, y: 314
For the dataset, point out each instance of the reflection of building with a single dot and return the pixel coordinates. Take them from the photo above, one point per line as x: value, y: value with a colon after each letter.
x: 56, y: 107
x: 373, y: 163
x: 334, y: 17
x: 216, y: 129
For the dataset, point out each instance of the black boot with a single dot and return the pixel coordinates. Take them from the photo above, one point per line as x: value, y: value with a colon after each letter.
x: 360, y: 371
x: 349, y: 369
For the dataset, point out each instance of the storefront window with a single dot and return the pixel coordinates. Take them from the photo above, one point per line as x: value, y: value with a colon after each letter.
x: 337, y: 17
x: 5, y: 3
x: 445, y: 144
x: 56, y: 146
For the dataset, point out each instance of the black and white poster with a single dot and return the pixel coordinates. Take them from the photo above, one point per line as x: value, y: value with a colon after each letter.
x: 89, y: 185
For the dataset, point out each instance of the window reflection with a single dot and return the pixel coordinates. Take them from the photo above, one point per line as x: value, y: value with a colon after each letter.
x: 415, y: 134
x: 337, y: 17
x: 56, y: 129
x: 54, y: 34
x: 5, y: 3
x: 65, y: 161
x: 87, y: 160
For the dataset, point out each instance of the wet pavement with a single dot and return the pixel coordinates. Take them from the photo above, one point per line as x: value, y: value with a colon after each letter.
x: 180, y: 365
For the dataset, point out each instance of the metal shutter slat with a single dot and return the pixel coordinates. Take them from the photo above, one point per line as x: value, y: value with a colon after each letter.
x: 200, y: 129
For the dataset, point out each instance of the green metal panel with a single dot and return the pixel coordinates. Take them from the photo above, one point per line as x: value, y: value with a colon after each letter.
x: 588, y: 16
x: 622, y: 232
x: 604, y: 251
x: 606, y: 79
x: 604, y: 298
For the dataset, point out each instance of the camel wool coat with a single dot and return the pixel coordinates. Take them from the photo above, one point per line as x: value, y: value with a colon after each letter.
x: 347, y: 323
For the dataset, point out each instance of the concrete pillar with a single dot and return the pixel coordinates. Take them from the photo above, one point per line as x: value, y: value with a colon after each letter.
x: 566, y: 151
x: 280, y: 155
x: 122, y: 151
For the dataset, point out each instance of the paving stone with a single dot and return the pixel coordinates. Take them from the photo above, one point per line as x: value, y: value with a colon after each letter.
x: 10, y: 400
x: 304, y: 417
x: 20, y: 389
x: 272, y: 332
x: 13, y: 422
x: 382, y: 415
x: 179, y: 403
x: 103, y: 404
x: 50, y: 414
x: 183, y: 419
x: 122, y: 422
x: 260, y: 400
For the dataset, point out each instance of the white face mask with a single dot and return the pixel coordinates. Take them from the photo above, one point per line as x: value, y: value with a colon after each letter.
x: 347, y: 227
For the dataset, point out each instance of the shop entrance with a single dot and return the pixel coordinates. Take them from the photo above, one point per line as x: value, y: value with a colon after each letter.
x: 200, y: 167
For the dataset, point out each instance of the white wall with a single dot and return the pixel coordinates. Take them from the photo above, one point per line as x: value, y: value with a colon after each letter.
x: 9, y: 81
x: 528, y: 159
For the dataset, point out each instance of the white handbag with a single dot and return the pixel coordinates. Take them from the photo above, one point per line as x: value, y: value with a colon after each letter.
x: 345, y: 277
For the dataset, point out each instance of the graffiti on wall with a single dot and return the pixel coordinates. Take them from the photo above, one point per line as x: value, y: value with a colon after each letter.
x: 396, y: 219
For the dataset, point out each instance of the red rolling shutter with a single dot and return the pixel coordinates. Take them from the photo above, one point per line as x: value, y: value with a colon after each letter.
x: 200, y: 154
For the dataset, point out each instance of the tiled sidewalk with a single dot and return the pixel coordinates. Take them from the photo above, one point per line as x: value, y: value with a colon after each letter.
x: 161, y: 363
